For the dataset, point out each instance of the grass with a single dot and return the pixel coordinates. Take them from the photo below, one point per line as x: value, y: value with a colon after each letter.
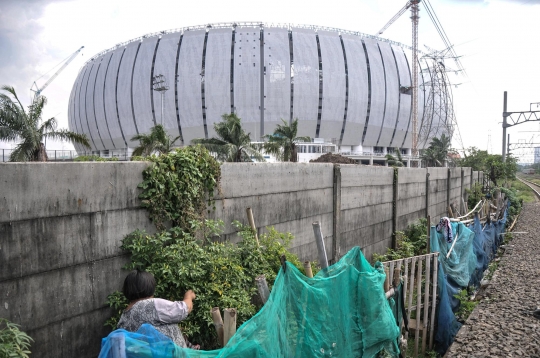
x: 523, y: 191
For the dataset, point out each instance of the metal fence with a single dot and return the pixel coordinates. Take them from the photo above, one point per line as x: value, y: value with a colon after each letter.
x: 71, y: 155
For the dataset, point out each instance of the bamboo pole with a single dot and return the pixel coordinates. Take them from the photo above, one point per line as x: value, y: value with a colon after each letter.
x: 218, y: 323
x: 307, y: 269
x: 396, y: 279
x: 319, y: 239
x: 418, y: 306
x: 262, y: 288
x: 411, y: 293
x: 229, y: 324
x: 387, y: 279
x: 252, y: 224
x: 433, y: 299
x: 426, y: 304
x: 450, y: 213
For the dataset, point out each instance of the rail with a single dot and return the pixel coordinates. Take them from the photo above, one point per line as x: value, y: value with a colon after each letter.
x: 531, y: 185
x: 68, y: 155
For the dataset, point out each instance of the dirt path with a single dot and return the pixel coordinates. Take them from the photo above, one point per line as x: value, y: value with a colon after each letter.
x: 501, y: 326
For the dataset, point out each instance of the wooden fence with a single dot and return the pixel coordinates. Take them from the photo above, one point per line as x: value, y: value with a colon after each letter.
x: 419, y: 276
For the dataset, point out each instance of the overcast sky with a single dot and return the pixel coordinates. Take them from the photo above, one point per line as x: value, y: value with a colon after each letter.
x: 497, y: 39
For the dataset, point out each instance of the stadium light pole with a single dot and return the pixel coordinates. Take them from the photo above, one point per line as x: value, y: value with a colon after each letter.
x: 160, y: 85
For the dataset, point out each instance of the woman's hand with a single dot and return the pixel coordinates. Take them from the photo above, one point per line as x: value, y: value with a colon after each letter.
x: 189, y: 296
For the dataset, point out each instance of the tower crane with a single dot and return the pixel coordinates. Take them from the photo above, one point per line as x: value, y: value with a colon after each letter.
x: 37, y: 91
x: 413, y: 5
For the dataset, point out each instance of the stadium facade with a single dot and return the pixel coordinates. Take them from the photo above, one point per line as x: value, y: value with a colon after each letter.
x: 347, y: 87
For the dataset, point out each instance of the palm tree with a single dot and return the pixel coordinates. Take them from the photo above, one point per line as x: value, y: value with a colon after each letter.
x: 157, y: 141
x: 282, y: 144
x: 232, y: 143
x: 29, y: 129
x: 396, y: 161
x: 437, y: 152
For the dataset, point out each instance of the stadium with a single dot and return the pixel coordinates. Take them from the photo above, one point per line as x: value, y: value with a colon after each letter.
x: 346, y: 88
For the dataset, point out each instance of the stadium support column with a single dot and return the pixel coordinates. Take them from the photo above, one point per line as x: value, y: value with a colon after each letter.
x: 504, y: 125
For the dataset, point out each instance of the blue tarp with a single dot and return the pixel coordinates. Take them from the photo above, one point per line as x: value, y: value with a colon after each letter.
x: 473, y: 251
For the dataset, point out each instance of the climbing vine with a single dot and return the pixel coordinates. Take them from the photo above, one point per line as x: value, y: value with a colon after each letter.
x: 178, y: 187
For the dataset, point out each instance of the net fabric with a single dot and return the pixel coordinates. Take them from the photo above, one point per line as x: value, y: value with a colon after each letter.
x: 341, y: 312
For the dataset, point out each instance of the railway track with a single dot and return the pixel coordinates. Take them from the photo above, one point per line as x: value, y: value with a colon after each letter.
x: 533, y: 186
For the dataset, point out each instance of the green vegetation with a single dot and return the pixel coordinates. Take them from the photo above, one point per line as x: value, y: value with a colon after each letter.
x: 490, y: 164
x: 522, y: 191
x: 395, y: 161
x: 184, y: 254
x: 232, y: 144
x: 437, y: 153
x: 282, y: 143
x: 466, y: 306
x: 178, y: 187
x: 29, y: 128
x: 411, y: 242
x: 13, y: 342
x: 158, y: 141
x: 94, y: 158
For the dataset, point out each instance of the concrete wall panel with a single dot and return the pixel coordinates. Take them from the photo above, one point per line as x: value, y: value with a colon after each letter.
x: 334, y: 85
x: 217, y: 84
x: 277, y: 78
x: 142, y: 87
x: 306, y: 81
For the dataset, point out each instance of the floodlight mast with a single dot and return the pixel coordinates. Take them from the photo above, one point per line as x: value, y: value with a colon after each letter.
x: 38, y: 90
x: 413, y: 5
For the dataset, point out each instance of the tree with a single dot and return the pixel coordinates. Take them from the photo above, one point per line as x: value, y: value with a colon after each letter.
x: 232, y: 143
x: 491, y: 164
x: 396, y: 161
x: 29, y: 129
x: 437, y: 153
x: 282, y: 144
x: 158, y: 141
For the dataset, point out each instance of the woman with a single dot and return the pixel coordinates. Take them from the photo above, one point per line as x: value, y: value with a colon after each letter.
x: 164, y: 315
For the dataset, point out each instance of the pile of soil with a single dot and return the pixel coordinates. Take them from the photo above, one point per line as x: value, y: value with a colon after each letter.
x: 333, y: 158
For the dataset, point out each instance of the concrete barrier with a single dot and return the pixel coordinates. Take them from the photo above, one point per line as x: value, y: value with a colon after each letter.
x: 61, y: 225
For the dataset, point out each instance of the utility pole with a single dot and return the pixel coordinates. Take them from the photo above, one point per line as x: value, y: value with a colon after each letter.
x: 504, y: 124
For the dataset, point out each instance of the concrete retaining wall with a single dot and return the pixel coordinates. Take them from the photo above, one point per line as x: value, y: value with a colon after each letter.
x: 61, y: 225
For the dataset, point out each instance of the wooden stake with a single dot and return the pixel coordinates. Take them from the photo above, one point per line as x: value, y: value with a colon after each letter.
x: 428, y: 243
x: 319, y: 239
x: 387, y: 279
x: 262, y: 288
x: 396, y: 279
x: 450, y: 213
x: 218, y: 323
x: 433, y: 299
x: 307, y: 269
x: 426, y: 304
x: 418, y: 306
x: 252, y: 224
x: 229, y: 324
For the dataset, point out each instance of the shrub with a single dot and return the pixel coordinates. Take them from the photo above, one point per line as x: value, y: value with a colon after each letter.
x: 221, y: 274
x: 94, y: 158
x: 411, y: 242
x: 13, y: 341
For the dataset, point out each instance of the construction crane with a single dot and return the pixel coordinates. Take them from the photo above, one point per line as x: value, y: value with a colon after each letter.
x: 37, y: 91
x: 413, y: 5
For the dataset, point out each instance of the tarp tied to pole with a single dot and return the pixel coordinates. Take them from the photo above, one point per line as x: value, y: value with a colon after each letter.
x: 341, y: 312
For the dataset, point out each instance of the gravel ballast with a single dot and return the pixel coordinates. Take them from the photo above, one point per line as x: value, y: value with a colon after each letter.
x: 502, y: 324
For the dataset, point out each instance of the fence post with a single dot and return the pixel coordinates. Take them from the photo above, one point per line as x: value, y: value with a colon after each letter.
x: 462, y: 208
x: 448, y: 186
x: 336, y: 242
x: 394, y: 207
x: 472, y: 179
x: 427, y: 192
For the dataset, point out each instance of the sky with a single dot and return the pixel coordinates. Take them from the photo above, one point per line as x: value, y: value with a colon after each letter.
x: 496, y: 39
